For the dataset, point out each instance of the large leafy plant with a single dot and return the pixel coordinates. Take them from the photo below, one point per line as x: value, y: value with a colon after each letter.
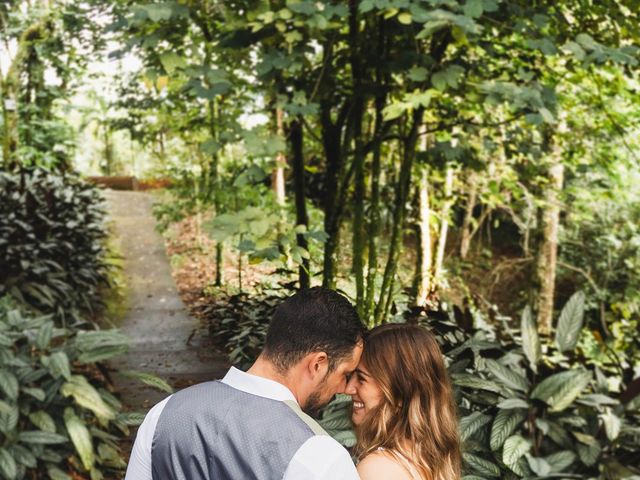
x: 52, y: 248
x: 56, y: 413
x: 531, y: 408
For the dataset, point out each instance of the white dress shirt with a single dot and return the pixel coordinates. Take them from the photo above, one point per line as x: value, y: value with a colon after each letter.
x: 319, y: 458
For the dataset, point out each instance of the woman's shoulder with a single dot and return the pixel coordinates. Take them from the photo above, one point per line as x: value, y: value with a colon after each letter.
x: 381, y: 465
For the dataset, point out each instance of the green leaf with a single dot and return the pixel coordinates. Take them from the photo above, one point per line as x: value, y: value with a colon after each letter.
x: 560, y: 390
x: 540, y: 466
x: 56, y: 474
x: 9, y: 384
x: 172, y: 61
x: 149, y: 379
x: 546, y: 115
x: 23, y: 456
x: 44, y: 335
x: 405, y: 18
x: 36, y: 393
x: 103, y: 353
x: 473, y: 8
x: 472, y: 423
x: 511, y: 403
x: 418, y: 74
x: 588, y: 449
x: 505, y: 424
x: 80, y: 437
x: 576, y: 50
x: 39, y: 437
x: 5, y: 407
x: 131, y: 418
x: 9, y: 421
x: 43, y: 421
x: 597, y: 400
x: 8, y: 466
x: 560, y: 460
x: 439, y: 80
x: 57, y: 364
x: 158, y: 12
x: 612, y: 424
x: 87, y: 396
x: 570, y: 323
x: 473, y: 381
x: 481, y: 466
x: 530, y: 338
x: 514, y: 448
x: 508, y: 377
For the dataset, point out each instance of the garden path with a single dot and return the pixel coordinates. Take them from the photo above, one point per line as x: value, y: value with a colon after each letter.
x: 155, y: 319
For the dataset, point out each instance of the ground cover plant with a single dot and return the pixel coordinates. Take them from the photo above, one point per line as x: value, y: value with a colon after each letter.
x: 57, y: 416
x: 52, y: 243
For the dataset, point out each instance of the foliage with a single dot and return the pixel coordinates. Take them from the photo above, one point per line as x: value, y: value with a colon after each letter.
x: 56, y: 413
x: 52, y: 243
x: 542, y: 413
x: 238, y: 322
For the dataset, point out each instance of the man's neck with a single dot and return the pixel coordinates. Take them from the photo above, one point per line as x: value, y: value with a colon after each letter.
x: 266, y: 369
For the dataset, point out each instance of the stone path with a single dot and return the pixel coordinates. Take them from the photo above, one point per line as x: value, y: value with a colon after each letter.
x: 156, y: 319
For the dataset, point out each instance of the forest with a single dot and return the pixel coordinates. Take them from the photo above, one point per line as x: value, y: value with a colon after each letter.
x: 469, y: 165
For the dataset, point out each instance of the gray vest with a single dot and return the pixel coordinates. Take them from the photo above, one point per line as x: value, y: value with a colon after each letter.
x: 212, y: 431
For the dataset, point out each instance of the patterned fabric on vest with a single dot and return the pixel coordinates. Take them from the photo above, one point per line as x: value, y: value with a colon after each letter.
x: 212, y: 431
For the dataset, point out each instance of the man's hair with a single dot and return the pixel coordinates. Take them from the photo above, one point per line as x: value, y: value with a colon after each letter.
x: 313, y: 320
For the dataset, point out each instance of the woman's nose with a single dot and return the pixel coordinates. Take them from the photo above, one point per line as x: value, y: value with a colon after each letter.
x: 351, y: 388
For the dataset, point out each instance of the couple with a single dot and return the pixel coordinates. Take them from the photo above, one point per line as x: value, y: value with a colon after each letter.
x: 251, y: 426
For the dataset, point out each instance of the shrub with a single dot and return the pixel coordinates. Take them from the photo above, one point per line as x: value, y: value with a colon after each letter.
x: 56, y: 414
x: 52, y: 247
x: 533, y: 408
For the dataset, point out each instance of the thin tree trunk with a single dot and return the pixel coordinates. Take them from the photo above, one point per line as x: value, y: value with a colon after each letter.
x: 333, y: 155
x: 444, y: 225
x: 424, y: 255
x: 277, y: 176
x: 399, y: 213
x: 547, y: 257
x: 467, y: 227
x: 358, y: 245
x: 297, y: 156
x: 215, y: 187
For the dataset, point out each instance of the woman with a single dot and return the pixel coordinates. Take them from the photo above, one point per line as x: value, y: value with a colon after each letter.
x: 403, y: 408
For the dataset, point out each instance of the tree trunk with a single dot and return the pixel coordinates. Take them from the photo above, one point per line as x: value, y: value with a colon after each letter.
x: 547, y: 256
x: 358, y: 246
x: 399, y: 213
x: 277, y: 176
x: 444, y: 225
x: 297, y: 156
x: 215, y: 188
x: 422, y: 281
x: 333, y: 155
x: 467, y: 227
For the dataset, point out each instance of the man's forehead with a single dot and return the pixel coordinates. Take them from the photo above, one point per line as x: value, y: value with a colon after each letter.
x: 350, y: 363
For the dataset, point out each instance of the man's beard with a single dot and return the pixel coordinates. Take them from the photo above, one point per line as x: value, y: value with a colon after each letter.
x: 315, y: 404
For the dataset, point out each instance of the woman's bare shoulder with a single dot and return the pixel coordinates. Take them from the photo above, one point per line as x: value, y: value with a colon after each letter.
x: 382, y: 466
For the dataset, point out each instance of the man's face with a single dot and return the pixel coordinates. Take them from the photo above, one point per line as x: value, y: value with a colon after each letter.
x: 333, y: 382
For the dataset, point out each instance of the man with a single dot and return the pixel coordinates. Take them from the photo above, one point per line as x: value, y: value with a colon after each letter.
x: 250, y: 426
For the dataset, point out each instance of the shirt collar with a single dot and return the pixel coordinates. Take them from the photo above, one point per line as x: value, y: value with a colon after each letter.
x: 256, y: 385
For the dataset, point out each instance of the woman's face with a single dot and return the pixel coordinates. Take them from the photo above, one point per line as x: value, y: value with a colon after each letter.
x: 365, y: 393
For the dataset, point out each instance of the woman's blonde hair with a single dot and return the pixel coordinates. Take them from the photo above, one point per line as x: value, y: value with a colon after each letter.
x: 417, y: 416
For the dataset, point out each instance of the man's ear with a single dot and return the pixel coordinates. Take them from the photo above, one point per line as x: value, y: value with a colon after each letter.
x: 318, y: 364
